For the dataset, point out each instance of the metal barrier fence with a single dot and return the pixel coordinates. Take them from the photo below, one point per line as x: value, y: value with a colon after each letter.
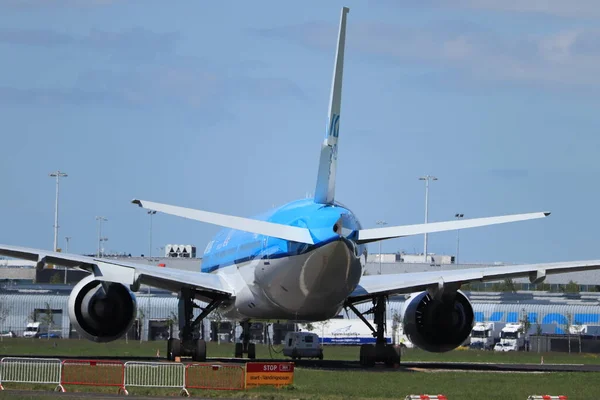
x: 215, y: 376
x: 93, y: 373
x: 31, y: 370
x: 156, y: 375
x: 426, y: 397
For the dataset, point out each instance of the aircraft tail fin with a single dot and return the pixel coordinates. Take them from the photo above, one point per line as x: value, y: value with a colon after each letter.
x: 325, y: 190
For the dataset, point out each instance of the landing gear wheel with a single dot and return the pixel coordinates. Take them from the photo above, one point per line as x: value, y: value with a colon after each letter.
x: 173, y: 349
x: 251, y: 351
x: 367, y: 355
x: 392, y: 355
x: 239, y: 350
x: 199, y: 350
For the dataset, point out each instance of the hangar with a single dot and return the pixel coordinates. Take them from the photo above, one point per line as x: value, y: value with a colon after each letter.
x: 156, y: 311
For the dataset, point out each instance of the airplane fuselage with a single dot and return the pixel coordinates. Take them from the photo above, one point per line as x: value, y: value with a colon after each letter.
x: 279, y: 279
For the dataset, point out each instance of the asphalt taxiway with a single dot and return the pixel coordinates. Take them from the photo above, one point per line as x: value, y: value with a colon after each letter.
x: 355, y: 365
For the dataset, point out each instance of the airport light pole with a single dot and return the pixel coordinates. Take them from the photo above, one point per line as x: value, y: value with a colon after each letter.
x: 426, y: 178
x: 151, y: 213
x: 100, y: 238
x: 103, y: 239
x: 458, y: 216
x: 382, y: 223
x: 56, y: 175
x: 67, y: 238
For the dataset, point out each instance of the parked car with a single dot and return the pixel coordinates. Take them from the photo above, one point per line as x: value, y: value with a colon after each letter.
x: 503, y: 346
x: 50, y: 335
x: 8, y: 334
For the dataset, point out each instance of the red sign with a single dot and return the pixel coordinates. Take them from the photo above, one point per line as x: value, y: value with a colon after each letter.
x: 269, y: 373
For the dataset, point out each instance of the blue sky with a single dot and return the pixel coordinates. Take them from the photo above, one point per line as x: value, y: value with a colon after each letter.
x: 222, y: 106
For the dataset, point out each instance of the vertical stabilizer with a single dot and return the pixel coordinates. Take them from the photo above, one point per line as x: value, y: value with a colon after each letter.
x: 325, y: 190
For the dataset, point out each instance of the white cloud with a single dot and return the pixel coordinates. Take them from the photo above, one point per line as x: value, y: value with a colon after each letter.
x: 567, y: 57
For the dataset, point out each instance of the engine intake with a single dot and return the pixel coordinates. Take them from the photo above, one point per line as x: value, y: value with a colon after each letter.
x: 101, y: 311
x: 438, y: 325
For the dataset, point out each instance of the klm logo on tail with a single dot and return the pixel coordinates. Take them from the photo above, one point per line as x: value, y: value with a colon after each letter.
x: 334, y: 126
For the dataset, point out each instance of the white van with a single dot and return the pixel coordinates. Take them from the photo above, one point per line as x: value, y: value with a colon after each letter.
x: 35, y: 329
x: 302, y: 344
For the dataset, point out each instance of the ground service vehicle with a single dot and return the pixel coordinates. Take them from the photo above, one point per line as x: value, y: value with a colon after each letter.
x: 512, y: 338
x: 485, y: 335
x: 302, y: 345
x: 35, y: 329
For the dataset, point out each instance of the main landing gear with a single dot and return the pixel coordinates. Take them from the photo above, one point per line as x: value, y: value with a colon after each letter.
x: 189, y: 343
x: 245, y: 347
x: 381, y: 351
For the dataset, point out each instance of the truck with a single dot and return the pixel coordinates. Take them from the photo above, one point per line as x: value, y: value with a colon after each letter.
x: 512, y: 338
x: 35, y: 329
x: 585, y: 330
x: 485, y: 335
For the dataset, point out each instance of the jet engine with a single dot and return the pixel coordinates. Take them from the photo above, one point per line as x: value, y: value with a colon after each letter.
x: 101, y: 311
x: 438, y: 325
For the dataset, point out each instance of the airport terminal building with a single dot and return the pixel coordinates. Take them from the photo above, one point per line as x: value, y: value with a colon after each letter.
x: 157, y: 311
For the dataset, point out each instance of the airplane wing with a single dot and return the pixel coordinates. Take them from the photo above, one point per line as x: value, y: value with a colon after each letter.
x: 394, y: 284
x: 206, y: 285
x: 286, y: 232
x: 375, y: 234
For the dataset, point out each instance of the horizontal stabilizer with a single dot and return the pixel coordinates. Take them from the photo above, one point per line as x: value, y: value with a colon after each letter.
x: 375, y: 234
x: 286, y: 232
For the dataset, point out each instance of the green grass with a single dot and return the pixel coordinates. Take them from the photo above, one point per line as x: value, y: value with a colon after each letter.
x: 334, y: 385
x: 122, y: 349
x: 378, y: 383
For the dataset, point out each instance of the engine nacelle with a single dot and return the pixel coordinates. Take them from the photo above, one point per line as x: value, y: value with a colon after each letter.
x: 101, y: 311
x: 438, y: 325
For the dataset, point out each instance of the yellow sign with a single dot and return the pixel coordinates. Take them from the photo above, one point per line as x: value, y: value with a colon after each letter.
x: 269, y: 373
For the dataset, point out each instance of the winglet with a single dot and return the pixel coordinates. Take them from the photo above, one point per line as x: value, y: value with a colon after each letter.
x: 325, y: 190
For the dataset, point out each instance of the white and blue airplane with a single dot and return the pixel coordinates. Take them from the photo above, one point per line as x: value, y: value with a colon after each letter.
x: 303, y: 261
